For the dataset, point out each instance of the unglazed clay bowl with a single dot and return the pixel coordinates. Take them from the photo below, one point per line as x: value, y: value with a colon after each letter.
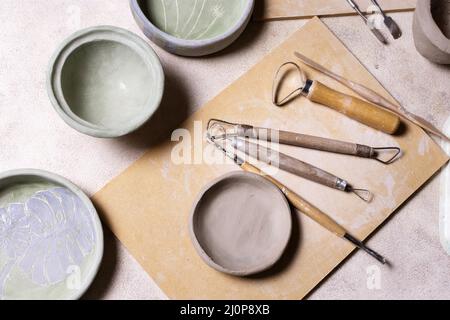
x: 51, y: 239
x: 431, y: 29
x: 241, y: 224
x: 192, y: 27
x: 105, y: 81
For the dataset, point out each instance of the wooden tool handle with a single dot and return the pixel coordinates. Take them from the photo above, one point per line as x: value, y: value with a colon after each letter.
x: 375, y: 98
x: 300, y: 204
x: 324, y: 144
x: 288, y: 163
x: 306, y: 141
x: 355, y: 108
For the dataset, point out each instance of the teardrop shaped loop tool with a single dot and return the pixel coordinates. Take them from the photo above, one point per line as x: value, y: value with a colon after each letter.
x: 278, y: 80
x: 394, y: 152
x: 353, y: 107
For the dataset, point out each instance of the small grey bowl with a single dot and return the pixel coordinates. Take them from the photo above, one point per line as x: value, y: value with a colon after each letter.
x: 240, y: 224
x: 191, y: 47
x: 105, y: 82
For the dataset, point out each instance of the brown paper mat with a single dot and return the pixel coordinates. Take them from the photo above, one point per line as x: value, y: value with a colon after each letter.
x: 148, y: 205
x: 294, y: 9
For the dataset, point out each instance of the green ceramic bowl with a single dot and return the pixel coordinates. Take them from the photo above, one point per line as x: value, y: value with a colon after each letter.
x: 192, y: 27
x: 105, y: 81
x: 51, y: 239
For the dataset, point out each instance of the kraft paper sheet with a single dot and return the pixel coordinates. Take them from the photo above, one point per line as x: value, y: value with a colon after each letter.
x: 148, y: 205
x: 295, y: 9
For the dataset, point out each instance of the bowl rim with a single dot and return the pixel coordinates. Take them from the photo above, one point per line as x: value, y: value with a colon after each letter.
x: 68, y: 46
x: 52, y: 177
x: 193, y: 44
x: 245, y: 272
x: 430, y: 27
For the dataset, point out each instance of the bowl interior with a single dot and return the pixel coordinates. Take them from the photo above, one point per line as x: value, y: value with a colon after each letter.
x: 108, y: 84
x: 440, y: 11
x: 242, y: 223
x: 194, y: 19
x: 51, y: 240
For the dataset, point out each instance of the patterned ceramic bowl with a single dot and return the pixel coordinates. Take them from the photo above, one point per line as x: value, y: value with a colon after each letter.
x: 51, y: 239
x: 192, y: 27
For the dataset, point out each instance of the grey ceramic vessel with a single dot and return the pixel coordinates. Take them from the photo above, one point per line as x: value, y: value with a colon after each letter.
x: 432, y: 31
x: 16, y: 183
x: 240, y: 224
x: 190, y: 47
x: 105, y: 81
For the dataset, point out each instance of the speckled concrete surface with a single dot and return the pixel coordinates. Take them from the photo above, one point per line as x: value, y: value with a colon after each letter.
x: 32, y: 135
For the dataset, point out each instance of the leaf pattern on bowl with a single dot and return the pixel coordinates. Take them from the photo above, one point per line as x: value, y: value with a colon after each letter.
x: 189, y: 19
x: 45, y: 236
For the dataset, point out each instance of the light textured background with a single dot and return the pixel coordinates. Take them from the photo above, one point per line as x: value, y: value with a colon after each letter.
x: 33, y: 136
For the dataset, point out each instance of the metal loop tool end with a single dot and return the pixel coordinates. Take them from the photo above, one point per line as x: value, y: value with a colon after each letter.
x: 363, y: 194
x: 220, y: 129
x: 233, y: 156
x: 277, y: 82
x: 379, y: 151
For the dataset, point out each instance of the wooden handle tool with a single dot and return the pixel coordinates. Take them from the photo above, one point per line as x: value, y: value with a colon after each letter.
x: 221, y: 129
x: 302, y: 205
x: 353, y: 107
x: 385, y: 155
x: 375, y: 98
x: 297, y: 167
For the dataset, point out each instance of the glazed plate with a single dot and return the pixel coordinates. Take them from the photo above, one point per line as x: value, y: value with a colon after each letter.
x: 51, y: 239
x: 241, y: 224
x: 192, y: 27
x: 105, y: 81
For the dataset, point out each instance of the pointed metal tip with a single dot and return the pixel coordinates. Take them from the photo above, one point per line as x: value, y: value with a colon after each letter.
x: 379, y: 35
x: 362, y: 246
x: 393, y: 27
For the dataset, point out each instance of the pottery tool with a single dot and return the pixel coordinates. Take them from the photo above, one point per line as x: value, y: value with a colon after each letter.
x: 393, y: 27
x: 305, y: 9
x: 375, y: 31
x: 374, y: 97
x: 385, y: 155
x: 298, y: 167
x: 300, y: 204
x: 354, y: 108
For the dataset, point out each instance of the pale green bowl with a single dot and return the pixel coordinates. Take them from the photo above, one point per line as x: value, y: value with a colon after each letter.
x: 192, y: 27
x: 105, y: 81
x: 51, y: 238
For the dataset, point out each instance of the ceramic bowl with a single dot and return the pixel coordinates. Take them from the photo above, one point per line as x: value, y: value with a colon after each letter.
x: 241, y: 224
x: 192, y: 27
x: 51, y: 239
x: 431, y: 30
x: 105, y: 81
